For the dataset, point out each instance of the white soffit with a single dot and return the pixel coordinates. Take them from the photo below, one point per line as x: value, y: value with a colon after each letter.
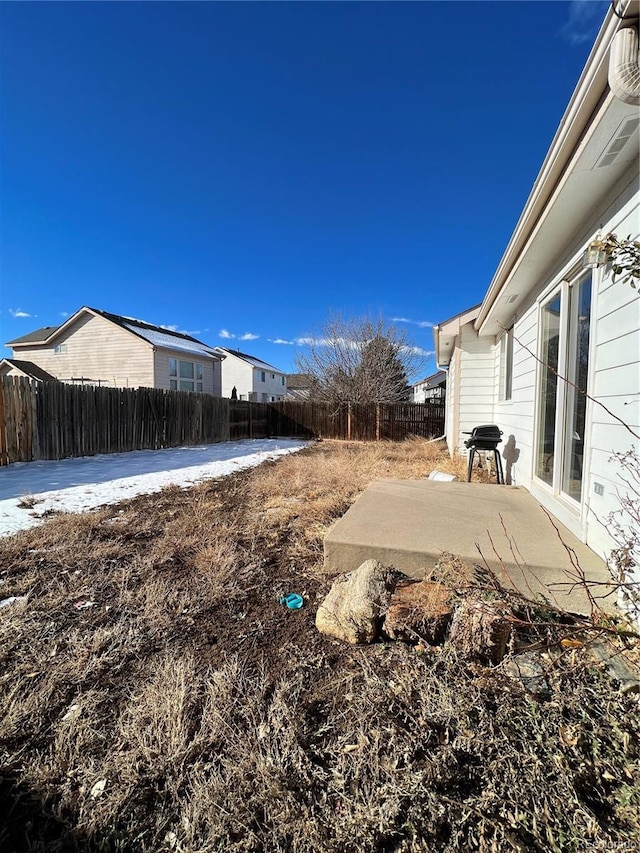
x: 579, y: 196
x: 445, y: 334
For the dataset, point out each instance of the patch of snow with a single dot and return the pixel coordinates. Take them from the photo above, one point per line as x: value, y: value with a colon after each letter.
x: 78, y: 485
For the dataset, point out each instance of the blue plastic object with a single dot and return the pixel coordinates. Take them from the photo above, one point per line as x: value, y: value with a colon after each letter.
x: 292, y: 600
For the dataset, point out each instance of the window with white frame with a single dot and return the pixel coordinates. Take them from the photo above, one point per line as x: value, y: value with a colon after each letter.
x: 282, y: 380
x: 60, y: 348
x: 262, y: 376
x: 185, y: 375
x: 506, y: 365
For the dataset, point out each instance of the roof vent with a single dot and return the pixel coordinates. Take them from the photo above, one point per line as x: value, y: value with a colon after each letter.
x: 624, y: 70
x: 622, y: 135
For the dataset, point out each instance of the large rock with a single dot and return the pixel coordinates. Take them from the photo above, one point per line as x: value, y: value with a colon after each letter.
x: 419, y: 612
x: 527, y: 669
x: 480, y: 630
x: 356, y: 602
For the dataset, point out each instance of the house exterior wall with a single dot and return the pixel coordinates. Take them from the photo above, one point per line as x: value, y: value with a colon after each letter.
x: 211, y: 373
x: 473, y: 381
x: 516, y: 417
x: 98, y: 351
x: 272, y: 388
x: 451, y: 404
x: 422, y: 392
x: 247, y: 380
x: 236, y: 373
x: 614, y: 380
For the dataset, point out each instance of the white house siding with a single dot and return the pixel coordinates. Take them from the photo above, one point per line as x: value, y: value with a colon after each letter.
x: 272, y: 386
x: 451, y: 404
x: 614, y: 381
x: 247, y: 380
x: 238, y: 374
x: 97, y: 350
x: 210, y: 369
x: 475, y: 383
x: 516, y: 417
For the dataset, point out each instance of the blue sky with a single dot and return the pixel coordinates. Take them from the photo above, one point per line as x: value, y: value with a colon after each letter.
x: 239, y: 170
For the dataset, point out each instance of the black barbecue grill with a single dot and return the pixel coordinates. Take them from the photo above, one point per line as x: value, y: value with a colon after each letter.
x: 487, y: 438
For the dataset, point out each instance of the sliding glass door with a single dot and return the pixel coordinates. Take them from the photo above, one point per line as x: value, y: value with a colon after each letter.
x: 562, y: 403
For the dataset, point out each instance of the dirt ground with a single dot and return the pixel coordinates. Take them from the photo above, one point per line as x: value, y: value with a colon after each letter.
x: 157, y: 696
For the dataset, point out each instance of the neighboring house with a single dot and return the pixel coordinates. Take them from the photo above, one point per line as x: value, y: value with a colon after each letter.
x: 95, y: 347
x: 547, y: 314
x: 26, y: 369
x: 299, y: 386
x: 431, y: 389
x: 253, y: 379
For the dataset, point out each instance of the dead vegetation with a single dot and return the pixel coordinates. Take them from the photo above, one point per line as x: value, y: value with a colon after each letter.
x: 156, y: 697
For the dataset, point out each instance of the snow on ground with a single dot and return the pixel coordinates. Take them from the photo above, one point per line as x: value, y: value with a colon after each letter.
x: 77, y: 485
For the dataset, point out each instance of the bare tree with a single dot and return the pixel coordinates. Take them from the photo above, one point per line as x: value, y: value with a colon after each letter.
x: 360, y: 360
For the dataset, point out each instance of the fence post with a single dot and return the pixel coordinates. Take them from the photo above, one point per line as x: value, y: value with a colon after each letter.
x: 35, y: 438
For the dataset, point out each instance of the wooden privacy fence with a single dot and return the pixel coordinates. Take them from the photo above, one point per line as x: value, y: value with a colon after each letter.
x: 51, y: 420
x: 358, y: 421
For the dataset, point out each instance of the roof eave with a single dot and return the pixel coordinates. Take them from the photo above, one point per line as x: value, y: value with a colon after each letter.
x: 445, y: 334
x: 56, y: 330
x: 587, y: 95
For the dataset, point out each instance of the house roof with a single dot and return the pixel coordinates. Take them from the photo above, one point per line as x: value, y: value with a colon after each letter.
x: 29, y: 369
x: 578, y: 174
x: 433, y: 380
x: 251, y: 359
x: 445, y: 333
x: 39, y: 336
x: 299, y: 380
x: 157, y: 336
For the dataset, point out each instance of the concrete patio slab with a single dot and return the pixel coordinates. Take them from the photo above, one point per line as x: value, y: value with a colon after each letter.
x: 408, y: 524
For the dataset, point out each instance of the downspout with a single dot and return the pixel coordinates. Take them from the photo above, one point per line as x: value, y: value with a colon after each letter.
x: 624, y: 70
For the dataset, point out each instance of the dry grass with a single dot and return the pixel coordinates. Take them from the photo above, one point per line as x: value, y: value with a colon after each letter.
x: 306, y: 493
x: 156, y: 697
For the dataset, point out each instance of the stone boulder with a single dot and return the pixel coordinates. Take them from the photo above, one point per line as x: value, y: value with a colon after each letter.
x: 419, y: 612
x: 527, y: 669
x: 480, y: 630
x: 353, y: 609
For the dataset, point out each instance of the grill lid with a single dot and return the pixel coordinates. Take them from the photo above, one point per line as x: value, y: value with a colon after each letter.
x: 489, y: 431
x: 484, y: 437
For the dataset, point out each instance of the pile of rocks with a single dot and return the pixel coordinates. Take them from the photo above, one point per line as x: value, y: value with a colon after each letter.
x: 376, y: 601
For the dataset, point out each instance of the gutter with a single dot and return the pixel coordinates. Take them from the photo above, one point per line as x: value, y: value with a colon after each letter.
x: 624, y: 69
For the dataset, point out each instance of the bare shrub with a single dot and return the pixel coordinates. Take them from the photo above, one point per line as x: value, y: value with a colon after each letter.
x: 28, y: 501
x: 623, y: 525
